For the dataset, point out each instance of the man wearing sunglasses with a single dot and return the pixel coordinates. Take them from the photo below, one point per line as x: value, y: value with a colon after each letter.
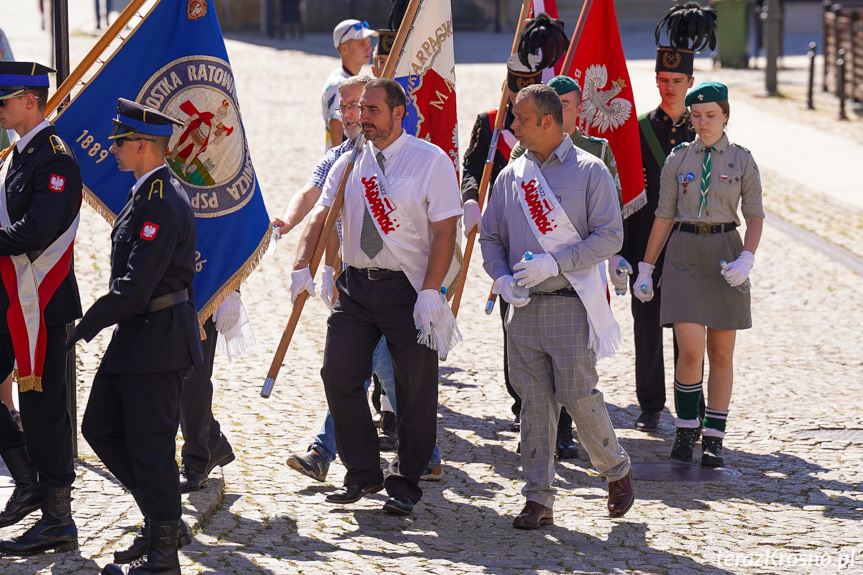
x: 39, y: 205
x: 133, y: 411
x: 351, y: 39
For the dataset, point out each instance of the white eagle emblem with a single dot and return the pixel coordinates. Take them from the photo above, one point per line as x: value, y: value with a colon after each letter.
x: 603, y: 111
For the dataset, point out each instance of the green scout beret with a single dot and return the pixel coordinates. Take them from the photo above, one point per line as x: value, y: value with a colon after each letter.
x: 564, y: 85
x: 707, y: 92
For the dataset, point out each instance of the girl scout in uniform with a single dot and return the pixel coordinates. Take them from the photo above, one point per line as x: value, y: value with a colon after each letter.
x: 701, y: 187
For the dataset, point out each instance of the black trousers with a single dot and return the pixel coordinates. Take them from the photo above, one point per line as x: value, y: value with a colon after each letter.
x: 131, y: 423
x: 202, y: 434
x: 649, y: 361
x: 365, y: 310
x: 45, y: 414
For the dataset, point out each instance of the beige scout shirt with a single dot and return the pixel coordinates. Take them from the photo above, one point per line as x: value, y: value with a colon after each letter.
x: 734, y: 179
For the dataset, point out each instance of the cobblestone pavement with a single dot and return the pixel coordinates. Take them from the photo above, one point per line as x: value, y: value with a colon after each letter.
x: 791, y: 503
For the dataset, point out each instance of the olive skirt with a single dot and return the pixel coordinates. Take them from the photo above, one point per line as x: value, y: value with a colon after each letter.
x: 694, y: 290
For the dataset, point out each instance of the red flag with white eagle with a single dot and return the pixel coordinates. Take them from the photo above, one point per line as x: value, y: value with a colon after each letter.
x: 426, y: 70
x: 599, y: 66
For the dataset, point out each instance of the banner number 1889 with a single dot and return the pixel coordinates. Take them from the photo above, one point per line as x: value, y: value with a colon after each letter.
x: 94, y: 149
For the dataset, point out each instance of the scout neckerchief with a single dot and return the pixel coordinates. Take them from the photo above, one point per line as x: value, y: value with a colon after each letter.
x: 554, y: 231
x: 705, y: 177
x: 30, y: 286
x: 387, y: 208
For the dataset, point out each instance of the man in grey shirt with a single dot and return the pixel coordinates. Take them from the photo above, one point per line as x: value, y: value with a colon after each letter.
x: 548, y: 332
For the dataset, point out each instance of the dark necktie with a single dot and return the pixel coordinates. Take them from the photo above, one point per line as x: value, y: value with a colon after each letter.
x: 370, y: 240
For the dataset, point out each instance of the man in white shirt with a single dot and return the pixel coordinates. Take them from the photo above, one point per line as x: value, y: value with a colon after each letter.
x: 399, y: 220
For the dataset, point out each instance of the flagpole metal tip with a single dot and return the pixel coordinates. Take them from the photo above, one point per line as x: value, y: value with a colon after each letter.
x: 268, y: 387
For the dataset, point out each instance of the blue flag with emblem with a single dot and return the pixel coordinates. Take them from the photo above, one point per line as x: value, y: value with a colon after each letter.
x: 175, y: 61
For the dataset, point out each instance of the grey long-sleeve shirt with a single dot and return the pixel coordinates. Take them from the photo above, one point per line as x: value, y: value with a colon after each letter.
x: 583, y: 186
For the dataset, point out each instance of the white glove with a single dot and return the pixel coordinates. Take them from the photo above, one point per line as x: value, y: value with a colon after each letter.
x: 533, y: 272
x: 429, y: 310
x: 301, y: 281
x: 643, y: 288
x: 504, y: 286
x: 472, y: 217
x: 328, y: 284
x: 227, y: 315
x: 736, y: 272
x: 619, y: 282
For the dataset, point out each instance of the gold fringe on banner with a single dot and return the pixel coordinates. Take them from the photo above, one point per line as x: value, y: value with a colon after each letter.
x: 235, y: 280
x: 27, y: 383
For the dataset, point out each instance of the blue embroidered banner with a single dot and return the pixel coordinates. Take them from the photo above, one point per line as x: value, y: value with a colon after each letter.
x: 175, y: 61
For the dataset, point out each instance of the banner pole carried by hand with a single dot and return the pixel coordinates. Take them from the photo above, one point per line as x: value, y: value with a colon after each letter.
x: 489, y: 163
x: 335, y: 208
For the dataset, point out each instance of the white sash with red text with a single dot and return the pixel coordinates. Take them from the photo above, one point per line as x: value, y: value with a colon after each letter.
x: 555, y: 231
x: 30, y: 286
x: 402, y: 239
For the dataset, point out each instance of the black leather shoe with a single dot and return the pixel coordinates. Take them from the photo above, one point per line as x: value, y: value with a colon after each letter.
x: 221, y: 457
x: 27, y: 495
x: 161, y: 556
x: 648, y: 421
x: 516, y: 424
x: 138, y: 548
x: 533, y: 516
x: 54, y: 531
x: 191, y: 480
x: 352, y: 493
x: 399, y: 505
x: 565, y: 447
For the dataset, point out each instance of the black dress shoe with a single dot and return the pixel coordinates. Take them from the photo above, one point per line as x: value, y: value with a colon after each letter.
x: 648, y: 421
x: 352, y: 493
x: 533, y: 516
x: 399, y: 505
x: 220, y: 457
x: 388, y: 438
x: 191, y: 480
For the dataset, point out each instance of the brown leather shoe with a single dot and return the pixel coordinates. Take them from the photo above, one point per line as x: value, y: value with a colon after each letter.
x: 621, y: 496
x: 533, y: 516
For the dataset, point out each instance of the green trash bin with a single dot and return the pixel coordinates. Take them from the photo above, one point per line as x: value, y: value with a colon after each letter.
x: 732, y: 32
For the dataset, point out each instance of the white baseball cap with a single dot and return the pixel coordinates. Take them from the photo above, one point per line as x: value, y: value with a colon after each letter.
x: 351, y: 30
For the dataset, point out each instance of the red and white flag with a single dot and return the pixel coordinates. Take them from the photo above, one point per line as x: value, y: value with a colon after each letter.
x: 426, y: 70
x: 599, y: 67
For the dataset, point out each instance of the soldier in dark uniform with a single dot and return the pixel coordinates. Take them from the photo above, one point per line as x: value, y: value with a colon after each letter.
x: 133, y: 412
x: 39, y: 217
x: 660, y: 130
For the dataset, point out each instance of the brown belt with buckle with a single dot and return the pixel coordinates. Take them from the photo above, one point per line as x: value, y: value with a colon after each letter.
x: 704, y: 229
x: 167, y: 300
x: 378, y: 274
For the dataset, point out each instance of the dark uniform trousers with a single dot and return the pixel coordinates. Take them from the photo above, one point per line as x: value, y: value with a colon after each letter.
x: 131, y: 423
x: 202, y: 434
x: 45, y: 414
x: 364, y: 311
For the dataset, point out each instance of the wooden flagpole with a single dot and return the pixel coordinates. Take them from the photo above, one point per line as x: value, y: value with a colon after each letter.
x: 489, y: 162
x: 333, y: 215
x: 91, y: 57
x: 576, y: 36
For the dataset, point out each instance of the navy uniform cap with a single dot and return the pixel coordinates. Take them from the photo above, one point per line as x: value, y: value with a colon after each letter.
x: 707, y: 92
x: 133, y: 118
x: 15, y: 77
